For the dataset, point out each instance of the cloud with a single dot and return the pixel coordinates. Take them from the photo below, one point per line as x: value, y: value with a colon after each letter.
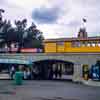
x: 45, y: 15
x: 68, y: 23
x: 2, y: 1
x: 71, y: 23
x: 56, y: 18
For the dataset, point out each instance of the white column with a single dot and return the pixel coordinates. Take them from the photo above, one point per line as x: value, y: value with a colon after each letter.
x: 77, y: 76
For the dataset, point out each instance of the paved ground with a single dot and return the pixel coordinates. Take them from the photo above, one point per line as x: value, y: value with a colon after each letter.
x: 47, y: 90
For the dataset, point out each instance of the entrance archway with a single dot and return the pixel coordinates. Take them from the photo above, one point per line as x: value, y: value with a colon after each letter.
x: 53, y: 69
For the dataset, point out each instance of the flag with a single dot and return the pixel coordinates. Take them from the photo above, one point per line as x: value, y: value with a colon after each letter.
x: 84, y: 20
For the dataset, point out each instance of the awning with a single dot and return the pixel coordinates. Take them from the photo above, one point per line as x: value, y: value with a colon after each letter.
x: 15, y: 61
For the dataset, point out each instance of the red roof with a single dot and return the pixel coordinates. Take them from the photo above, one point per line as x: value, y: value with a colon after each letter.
x: 72, y: 39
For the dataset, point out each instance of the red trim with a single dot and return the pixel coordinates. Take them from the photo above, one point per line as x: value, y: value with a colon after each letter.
x: 72, y: 39
x: 28, y: 50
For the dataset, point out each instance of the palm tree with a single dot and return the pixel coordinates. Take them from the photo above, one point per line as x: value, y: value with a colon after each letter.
x: 34, y: 37
x: 20, y: 30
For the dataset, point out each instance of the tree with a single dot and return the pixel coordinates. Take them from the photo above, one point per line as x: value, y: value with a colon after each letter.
x: 34, y: 38
x: 19, y: 31
x: 29, y: 37
x: 1, y: 26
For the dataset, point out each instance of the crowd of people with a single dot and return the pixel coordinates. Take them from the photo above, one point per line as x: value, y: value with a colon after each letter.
x: 35, y: 73
x: 25, y: 71
x: 55, y: 73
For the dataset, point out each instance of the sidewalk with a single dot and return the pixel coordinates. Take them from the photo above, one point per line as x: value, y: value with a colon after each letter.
x: 91, y: 82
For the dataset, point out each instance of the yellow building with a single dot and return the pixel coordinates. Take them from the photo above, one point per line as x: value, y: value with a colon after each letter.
x: 72, y: 45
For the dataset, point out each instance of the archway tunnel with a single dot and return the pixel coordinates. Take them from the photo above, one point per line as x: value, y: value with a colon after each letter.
x: 53, y: 69
x: 44, y: 69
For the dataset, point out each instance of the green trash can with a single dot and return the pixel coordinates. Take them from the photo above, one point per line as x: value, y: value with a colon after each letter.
x: 18, y: 78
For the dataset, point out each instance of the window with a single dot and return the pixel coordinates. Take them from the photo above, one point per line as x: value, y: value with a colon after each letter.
x: 76, y: 44
x: 99, y: 44
x: 93, y: 44
x: 84, y: 44
x: 88, y: 44
x: 73, y: 44
x: 60, y: 43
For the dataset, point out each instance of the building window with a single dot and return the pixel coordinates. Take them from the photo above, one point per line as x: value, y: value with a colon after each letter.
x: 99, y: 44
x: 89, y: 44
x: 73, y: 44
x: 93, y: 44
x: 60, y: 43
x: 76, y: 44
x: 84, y: 44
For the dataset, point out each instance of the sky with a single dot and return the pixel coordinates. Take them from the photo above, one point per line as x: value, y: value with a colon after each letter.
x: 55, y: 18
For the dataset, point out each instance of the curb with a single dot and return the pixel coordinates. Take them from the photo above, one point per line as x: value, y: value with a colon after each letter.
x: 91, y: 83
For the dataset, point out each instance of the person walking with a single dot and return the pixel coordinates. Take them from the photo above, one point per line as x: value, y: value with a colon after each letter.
x: 60, y: 72
x: 25, y: 74
x: 28, y: 74
x: 56, y: 72
x: 12, y: 72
